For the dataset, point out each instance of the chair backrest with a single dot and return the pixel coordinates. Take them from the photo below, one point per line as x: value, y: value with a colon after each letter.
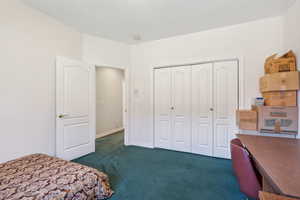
x: 237, y: 142
x: 244, y: 170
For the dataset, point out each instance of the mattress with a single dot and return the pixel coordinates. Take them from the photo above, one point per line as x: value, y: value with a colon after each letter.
x: 41, y: 177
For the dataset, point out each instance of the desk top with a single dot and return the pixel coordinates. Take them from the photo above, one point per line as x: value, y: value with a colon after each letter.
x: 269, y: 196
x: 279, y: 159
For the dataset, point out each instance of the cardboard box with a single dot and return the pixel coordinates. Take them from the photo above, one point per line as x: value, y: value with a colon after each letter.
x: 283, y: 81
x: 282, y: 98
x: 281, y: 120
x: 246, y: 119
x: 254, y: 107
x: 285, y: 63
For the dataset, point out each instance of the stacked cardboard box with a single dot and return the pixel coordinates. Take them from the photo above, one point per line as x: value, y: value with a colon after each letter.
x: 276, y: 119
x: 246, y: 119
x: 285, y: 63
x: 280, y: 84
x: 282, y: 98
x: 279, y: 88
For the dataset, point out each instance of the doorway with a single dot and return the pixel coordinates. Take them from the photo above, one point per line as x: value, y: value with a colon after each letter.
x: 110, y: 101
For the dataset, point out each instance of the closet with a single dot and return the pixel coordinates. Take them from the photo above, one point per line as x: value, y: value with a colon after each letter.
x: 195, y: 107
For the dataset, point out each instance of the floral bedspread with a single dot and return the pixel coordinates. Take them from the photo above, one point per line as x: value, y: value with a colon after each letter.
x: 41, y: 177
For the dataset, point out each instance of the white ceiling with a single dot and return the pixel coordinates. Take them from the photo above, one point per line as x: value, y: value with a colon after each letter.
x: 123, y: 20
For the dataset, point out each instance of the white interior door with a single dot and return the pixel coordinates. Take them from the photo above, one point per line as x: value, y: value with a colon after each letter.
x: 163, y: 108
x: 181, y: 108
x: 202, y: 113
x: 75, y: 109
x: 225, y: 104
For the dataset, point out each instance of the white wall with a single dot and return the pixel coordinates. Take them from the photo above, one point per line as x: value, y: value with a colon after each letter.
x: 252, y: 41
x: 103, y: 52
x: 109, y: 99
x: 29, y: 43
x: 291, y: 29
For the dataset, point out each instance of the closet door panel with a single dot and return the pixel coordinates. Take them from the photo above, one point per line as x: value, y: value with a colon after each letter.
x: 202, y: 131
x: 162, y: 108
x: 225, y: 105
x: 181, y: 120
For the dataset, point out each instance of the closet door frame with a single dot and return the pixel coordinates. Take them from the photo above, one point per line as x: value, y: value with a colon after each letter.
x: 241, y: 84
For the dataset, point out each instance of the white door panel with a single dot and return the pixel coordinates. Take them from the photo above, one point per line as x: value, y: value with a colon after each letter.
x: 225, y: 104
x: 76, y: 95
x: 181, y: 107
x: 75, y: 135
x: 202, y: 132
x: 75, y: 131
x: 162, y: 108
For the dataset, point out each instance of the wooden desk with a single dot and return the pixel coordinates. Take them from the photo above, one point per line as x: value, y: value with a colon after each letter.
x: 269, y: 196
x: 278, y: 160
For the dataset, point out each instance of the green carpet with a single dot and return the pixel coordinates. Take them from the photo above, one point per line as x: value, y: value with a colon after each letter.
x: 154, y: 174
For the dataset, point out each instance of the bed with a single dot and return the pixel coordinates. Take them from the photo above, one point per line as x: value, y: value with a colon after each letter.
x: 41, y: 177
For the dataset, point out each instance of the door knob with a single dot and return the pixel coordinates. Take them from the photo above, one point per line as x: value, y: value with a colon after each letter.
x: 172, y: 108
x: 211, y: 109
x: 62, y: 116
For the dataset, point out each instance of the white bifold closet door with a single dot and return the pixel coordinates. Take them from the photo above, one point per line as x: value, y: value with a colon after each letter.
x: 225, y: 100
x: 202, y: 109
x: 195, y: 108
x: 181, y: 108
x: 172, y: 108
x: 163, y: 115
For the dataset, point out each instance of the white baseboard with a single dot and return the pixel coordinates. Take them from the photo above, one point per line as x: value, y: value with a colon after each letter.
x: 106, y: 133
x: 149, y: 146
